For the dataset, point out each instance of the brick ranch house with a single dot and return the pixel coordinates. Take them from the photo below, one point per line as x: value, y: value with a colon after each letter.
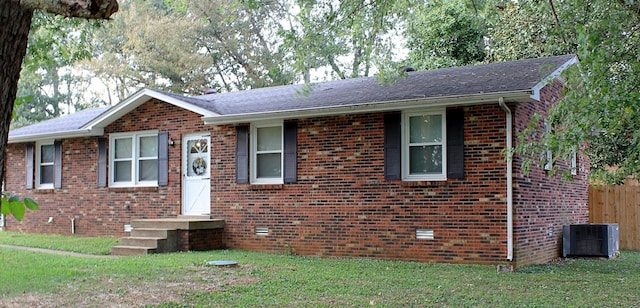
x: 412, y: 170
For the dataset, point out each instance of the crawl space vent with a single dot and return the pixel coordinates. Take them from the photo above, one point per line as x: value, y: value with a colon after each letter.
x: 262, y: 231
x: 424, y: 234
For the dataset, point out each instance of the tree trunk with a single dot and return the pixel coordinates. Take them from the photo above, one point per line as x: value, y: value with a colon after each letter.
x: 93, y: 9
x: 15, y: 21
x: 14, y: 35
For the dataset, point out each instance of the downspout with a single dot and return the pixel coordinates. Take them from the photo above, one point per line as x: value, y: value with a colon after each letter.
x: 509, y: 154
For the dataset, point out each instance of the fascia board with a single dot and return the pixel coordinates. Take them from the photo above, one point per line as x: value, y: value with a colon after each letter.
x: 138, y: 99
x: 78, y: 133
x: 449, y: 101
x: 555, y: 74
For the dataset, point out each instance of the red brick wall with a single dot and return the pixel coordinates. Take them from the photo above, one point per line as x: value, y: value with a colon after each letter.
x: 544, y: 203
x: 104, y: 211
x: 341, y: 204
x: 205, y: 239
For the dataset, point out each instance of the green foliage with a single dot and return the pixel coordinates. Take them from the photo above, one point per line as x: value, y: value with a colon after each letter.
x: 446, y: 33
x: 528, y: 29
x: 345, y: 39
x: 189, y: 46
x: 56, y: 44
x: 242, y: 42
x: 11, y: 204
x: 600, y: 110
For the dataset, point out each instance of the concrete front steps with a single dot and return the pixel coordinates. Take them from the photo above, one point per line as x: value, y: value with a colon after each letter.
x: 171, y: 234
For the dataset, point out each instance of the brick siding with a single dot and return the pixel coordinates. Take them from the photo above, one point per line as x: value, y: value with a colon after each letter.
x: 543, y: 203
x: 194, y: 240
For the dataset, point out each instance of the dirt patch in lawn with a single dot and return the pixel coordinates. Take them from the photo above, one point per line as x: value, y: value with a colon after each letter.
x: 129, y: 291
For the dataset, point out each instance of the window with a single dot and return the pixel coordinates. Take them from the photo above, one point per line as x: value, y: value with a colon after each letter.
x: 267, y: 158
x: 45, y: 158
x: 424, y: 149
x: 134, y: 159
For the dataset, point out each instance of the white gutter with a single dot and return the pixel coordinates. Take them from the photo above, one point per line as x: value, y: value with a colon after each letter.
x: 433, y: 102
x: 509, y: 128
x: 78, y: 133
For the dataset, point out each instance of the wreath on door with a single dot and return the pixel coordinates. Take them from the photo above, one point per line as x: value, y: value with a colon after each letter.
x: 199, y: 166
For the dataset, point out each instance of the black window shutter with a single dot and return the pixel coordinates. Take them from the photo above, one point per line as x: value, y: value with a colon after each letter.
x: 455, y: 143
x: 163, y: 159
x: 102, y: 162
x: 290, y: 154
x: 57, y: 164
x: 242, y: 154
x: 392, y: 146
x: 29, y: 166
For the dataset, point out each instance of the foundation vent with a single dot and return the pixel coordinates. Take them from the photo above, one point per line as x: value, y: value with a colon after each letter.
x: 424, y: 234
x: 262, y: 231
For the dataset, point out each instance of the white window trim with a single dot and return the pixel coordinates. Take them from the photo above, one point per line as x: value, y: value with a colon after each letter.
x: 254, y: 154
x: 38, y: 164
x: 574, y: 163
x: 135, y: 136
x: 405, y: 146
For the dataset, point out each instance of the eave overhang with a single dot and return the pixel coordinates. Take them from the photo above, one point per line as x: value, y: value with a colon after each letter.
x: 76, y: 133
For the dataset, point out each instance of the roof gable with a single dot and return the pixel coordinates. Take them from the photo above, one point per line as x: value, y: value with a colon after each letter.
x: 193, y: 104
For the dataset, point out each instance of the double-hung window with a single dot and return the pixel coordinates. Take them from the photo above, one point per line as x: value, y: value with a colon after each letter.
x: 424, y: 150
x: 267, y: 154
x: 45, y: 157
x: 134, y: 159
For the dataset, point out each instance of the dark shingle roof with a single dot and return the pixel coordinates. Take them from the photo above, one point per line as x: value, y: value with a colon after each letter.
x: 456, y: 81
x: 65, y: 123
x: 482, y: 79
x: 200, y: 101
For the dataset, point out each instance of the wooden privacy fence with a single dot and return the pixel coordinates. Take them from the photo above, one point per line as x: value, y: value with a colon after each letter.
x: 618, y: 204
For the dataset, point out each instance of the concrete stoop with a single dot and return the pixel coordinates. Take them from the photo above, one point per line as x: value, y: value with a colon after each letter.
x: 160, y: 235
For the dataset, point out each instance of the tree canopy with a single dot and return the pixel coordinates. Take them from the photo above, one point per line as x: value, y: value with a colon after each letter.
x: 601, y: 106
x: 190, y: 46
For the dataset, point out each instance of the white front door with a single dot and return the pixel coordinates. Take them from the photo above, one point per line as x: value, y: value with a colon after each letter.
x: 196, y: 175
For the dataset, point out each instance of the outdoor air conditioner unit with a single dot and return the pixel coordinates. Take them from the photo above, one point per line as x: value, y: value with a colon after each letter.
x: 590, y: 240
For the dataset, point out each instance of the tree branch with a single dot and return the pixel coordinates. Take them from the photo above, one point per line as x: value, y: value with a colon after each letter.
x: 90, y: 9
x: 555, y: 15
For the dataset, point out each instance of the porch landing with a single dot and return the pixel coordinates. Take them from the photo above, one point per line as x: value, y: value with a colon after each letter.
x: 182, y: 233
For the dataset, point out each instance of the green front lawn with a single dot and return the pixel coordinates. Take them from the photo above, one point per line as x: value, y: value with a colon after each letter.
x: 90, y: 245
x: 280, y: 280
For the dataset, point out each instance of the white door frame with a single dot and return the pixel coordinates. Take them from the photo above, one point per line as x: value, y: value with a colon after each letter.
x: 196, y: 174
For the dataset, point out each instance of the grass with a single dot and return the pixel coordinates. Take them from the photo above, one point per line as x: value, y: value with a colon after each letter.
x: 280, y: 280
x: 89, y: 245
